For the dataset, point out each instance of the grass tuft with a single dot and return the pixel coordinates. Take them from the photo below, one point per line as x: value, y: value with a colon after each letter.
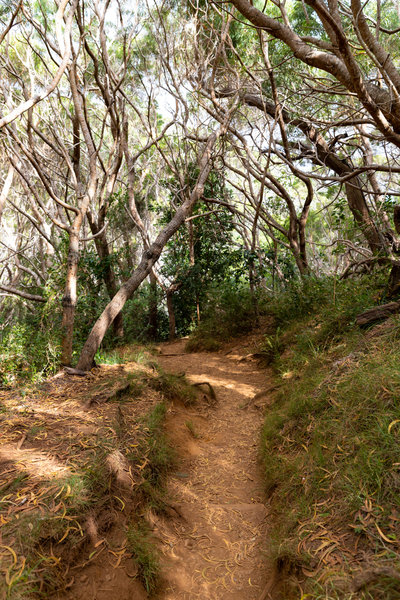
x: 173, y: 387
x: 142, y: 545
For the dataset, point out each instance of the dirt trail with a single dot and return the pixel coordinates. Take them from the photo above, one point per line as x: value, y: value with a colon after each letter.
x: 213, y: 549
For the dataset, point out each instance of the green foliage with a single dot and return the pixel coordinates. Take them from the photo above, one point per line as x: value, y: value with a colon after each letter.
x: 30, y: 350
x: 215, y: 258
x: 228, y: 311
x: 335, y: 303
x: 330, y: 440
x: 305, y: 21
x: 272, y: 346
x: 136, y: 317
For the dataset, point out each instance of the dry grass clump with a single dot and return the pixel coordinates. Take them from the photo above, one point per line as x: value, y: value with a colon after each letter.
x: 172, y: 387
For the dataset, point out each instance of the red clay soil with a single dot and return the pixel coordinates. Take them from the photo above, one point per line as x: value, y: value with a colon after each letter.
x: 214, y: 539
x: 214, y: 545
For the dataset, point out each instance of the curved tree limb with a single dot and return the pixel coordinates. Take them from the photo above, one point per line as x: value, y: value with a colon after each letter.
x: 16, y: 292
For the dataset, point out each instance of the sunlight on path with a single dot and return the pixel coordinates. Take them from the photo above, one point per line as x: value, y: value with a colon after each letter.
x: 213, y: 546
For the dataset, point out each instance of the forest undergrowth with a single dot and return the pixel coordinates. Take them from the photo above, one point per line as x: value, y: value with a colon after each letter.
x: 83, y: 461
x: 330, y: 444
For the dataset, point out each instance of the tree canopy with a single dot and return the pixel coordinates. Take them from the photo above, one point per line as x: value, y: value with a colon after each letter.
x: 182, y: 147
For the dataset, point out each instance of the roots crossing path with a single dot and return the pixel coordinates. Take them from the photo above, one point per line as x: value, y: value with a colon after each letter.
x: 214, y: 540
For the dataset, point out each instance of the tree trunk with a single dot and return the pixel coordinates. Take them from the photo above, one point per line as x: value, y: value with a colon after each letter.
x: 253, y: 289
x: 192, y: 261
x: 70, y: 296
x: 149, y: 257
x: 394, y: 277
x: 377, y: 313
x: 6, y: 188
x: 69, y: 299
x: 153, y: 308
x: 174, y: 287
x: 355, y: 195
x: 301, y: 261
x: 394, y: 282
x: 171, y: 316
x: 108, y: 275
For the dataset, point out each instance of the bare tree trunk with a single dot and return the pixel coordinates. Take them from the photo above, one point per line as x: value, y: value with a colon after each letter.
x: 103, y: 252
x: 70, y: 295
x: 171, y: 316
x: 6, y: 189
x: 69, y: 299
x: 301, y: 261
x: 153, y: 308
x: 149, y: 257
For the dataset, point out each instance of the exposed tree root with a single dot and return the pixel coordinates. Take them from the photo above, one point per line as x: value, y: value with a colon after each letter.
x: 211, y: 391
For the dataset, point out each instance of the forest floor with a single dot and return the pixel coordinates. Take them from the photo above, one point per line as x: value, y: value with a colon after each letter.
x: 78, y: 458
x: 214, y: 549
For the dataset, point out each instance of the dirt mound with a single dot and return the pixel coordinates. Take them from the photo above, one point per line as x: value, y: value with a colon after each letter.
x: 67, y: 492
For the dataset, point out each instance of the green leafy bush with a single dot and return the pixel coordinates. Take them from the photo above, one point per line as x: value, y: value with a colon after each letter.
x: 317, y: 311
x: 229, y: 311
x: 29, y: 351
x: 136, y: 317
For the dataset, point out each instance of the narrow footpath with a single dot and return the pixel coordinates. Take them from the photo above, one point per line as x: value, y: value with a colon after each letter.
x: 214, y: 540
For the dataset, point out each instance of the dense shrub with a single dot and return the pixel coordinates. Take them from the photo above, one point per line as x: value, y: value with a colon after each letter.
x: 229, y: 311
x: 332, y: 303
x: 136, y: 317
x: 29, y: 350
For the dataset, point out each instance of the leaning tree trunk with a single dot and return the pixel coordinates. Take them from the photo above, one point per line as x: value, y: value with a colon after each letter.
x: 149, y: 257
